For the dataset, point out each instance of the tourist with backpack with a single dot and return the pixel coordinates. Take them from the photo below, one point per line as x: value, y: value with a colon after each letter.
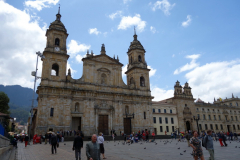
x: 208, y: 144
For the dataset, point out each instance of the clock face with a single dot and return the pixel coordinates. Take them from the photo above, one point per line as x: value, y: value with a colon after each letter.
x: 57, y: 49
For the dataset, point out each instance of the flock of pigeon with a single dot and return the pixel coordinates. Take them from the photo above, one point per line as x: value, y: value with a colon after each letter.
x: 164, y: 142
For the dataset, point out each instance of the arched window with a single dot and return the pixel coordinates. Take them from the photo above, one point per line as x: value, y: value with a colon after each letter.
x: 132, y: 81
x: 76, y: 107
x: 131, y: 60
x: 57, y: 42
x: 103, y: 79
x: 142, y: 81
x: 139, y: 58
x: 126, y: 109
x: 55, y: 70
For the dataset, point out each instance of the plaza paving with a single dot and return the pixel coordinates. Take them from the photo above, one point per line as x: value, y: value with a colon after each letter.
x: 118, y: 151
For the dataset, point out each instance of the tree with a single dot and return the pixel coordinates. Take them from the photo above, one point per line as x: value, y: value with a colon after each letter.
x: 4, y: 100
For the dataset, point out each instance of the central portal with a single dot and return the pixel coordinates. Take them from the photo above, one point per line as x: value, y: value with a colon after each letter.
x: 103, y: 124
x: 76, y: 123
x: 127, y: 125
x: 188, y: 125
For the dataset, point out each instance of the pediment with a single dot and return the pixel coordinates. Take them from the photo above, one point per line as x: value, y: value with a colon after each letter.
x: 105, y: 59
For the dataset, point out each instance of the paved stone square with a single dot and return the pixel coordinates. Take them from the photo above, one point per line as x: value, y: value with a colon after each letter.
x: 118, y: 151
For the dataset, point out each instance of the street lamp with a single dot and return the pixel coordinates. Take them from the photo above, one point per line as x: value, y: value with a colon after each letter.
x: 197, y: 119
x: 34, y: 73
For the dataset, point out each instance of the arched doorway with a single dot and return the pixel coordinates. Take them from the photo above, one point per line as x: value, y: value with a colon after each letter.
x: 188, y: 126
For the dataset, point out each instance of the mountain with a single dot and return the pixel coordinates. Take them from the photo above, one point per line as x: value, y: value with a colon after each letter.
x: 20, y: 101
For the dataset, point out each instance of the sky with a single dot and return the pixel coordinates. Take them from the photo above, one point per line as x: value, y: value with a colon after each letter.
x: 189, y: 41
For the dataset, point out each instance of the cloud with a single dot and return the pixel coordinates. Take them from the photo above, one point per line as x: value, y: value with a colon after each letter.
x: 187, y: 66
x: 94, y: 31
x: 160, y: 94
x: 215, y: 79
x: 153, y: 29
x: 187, y: 22
x: 21, y: 37
x: 127, y: 22
x: 40, y: 4
x: 173, y: 55
x: 163, y: 5
x: 79, y: 58
x: 74, y: 47
x: 152, y: 72
x: 126, y: 1
x: 116, y: 14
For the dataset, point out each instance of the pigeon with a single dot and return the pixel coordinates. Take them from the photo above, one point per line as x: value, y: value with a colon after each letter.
x: 114, y: 145
x: 235, y: 146
x: 155, y: 143
x: 145, y: 148
x: 184, y: 151
x: 230, y: 142
x: 181, y: 154
x: 179, y: 148
x: 64, y: 143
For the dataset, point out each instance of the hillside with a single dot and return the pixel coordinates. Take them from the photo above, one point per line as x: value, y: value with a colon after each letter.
x: 20, y: 101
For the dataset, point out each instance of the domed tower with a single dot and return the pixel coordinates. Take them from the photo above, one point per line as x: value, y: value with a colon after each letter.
x: 55, y: 63
x: 187, y: 91
x: 137, y: 71
x: 178, y: 90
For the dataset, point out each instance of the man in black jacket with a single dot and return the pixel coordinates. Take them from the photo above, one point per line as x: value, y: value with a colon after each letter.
x: 77, y: 145
x: 54, y: 143
x: 46, y: 138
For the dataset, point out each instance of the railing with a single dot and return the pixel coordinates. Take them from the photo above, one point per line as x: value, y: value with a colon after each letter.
x: 4, y: 142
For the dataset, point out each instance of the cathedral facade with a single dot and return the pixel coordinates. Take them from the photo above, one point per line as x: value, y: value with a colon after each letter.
x: 99, y: 101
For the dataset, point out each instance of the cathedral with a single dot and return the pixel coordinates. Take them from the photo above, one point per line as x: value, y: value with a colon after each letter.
x: 99, y: 101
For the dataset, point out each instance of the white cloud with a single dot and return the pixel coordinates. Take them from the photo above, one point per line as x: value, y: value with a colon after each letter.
x: 127, y: 22
x: 153, y: 29
x: 187, y: 66
x: 215, y: 79
x: 40, y: 4
x: 79, y: 58
x: 163, y: 5
x: 94, y: 31
x: 74, y: 48
x: 21, y: 37
x: 152, y: 72
x: 160, y: 94
x: 187, y: 22
x: 115, y: 15
x: 126, y: 1
x: 173, y: 55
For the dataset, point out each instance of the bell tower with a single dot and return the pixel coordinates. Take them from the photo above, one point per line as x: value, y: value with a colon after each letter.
x: 55, y: 63
x: 137, y: 71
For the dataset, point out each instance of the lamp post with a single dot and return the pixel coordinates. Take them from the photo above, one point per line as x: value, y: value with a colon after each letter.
x: 197, y: 119
x: 39, y: 54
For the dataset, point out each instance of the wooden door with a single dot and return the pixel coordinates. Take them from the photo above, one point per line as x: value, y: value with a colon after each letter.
x: 103, y: 124
x: 127, y: 125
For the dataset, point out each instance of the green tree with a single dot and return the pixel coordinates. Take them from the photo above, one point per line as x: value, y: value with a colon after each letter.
x: 4, y: 100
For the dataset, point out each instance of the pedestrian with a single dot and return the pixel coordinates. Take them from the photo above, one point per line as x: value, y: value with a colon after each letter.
x: 231, y: 135
x: 46, y: 138
x: 54, y: 143
x: 220, y: 139
x: 49, y: 137
x: 100, y: 140
x: 187, y: 136
x: 195, y: 143
x: 224, y: 139
x: 147, y: 135
x: 26, y: 140
x: 214, y: 136
x: 77, y: 145
x: 113, y: 136
x: 125, y: 137
x: 208, y: 144
x: 93, y: 149
x: 175, y: 135
x: 153, y: 135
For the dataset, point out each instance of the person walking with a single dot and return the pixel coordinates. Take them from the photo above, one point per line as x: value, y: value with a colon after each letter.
x: 220, y: 138
x: 100, y: 140
x: 46, y: 138
x: 208, y: 144
x: 187, y: 136
x: 224, y: 139
x: 195, y: 143
x: 153, y: 135
x: 54, y: 143
x: 113, y: 136
x: 93, y: 149
x: 49, y: 137
x: 77, y: 145
x: 26, y: 140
